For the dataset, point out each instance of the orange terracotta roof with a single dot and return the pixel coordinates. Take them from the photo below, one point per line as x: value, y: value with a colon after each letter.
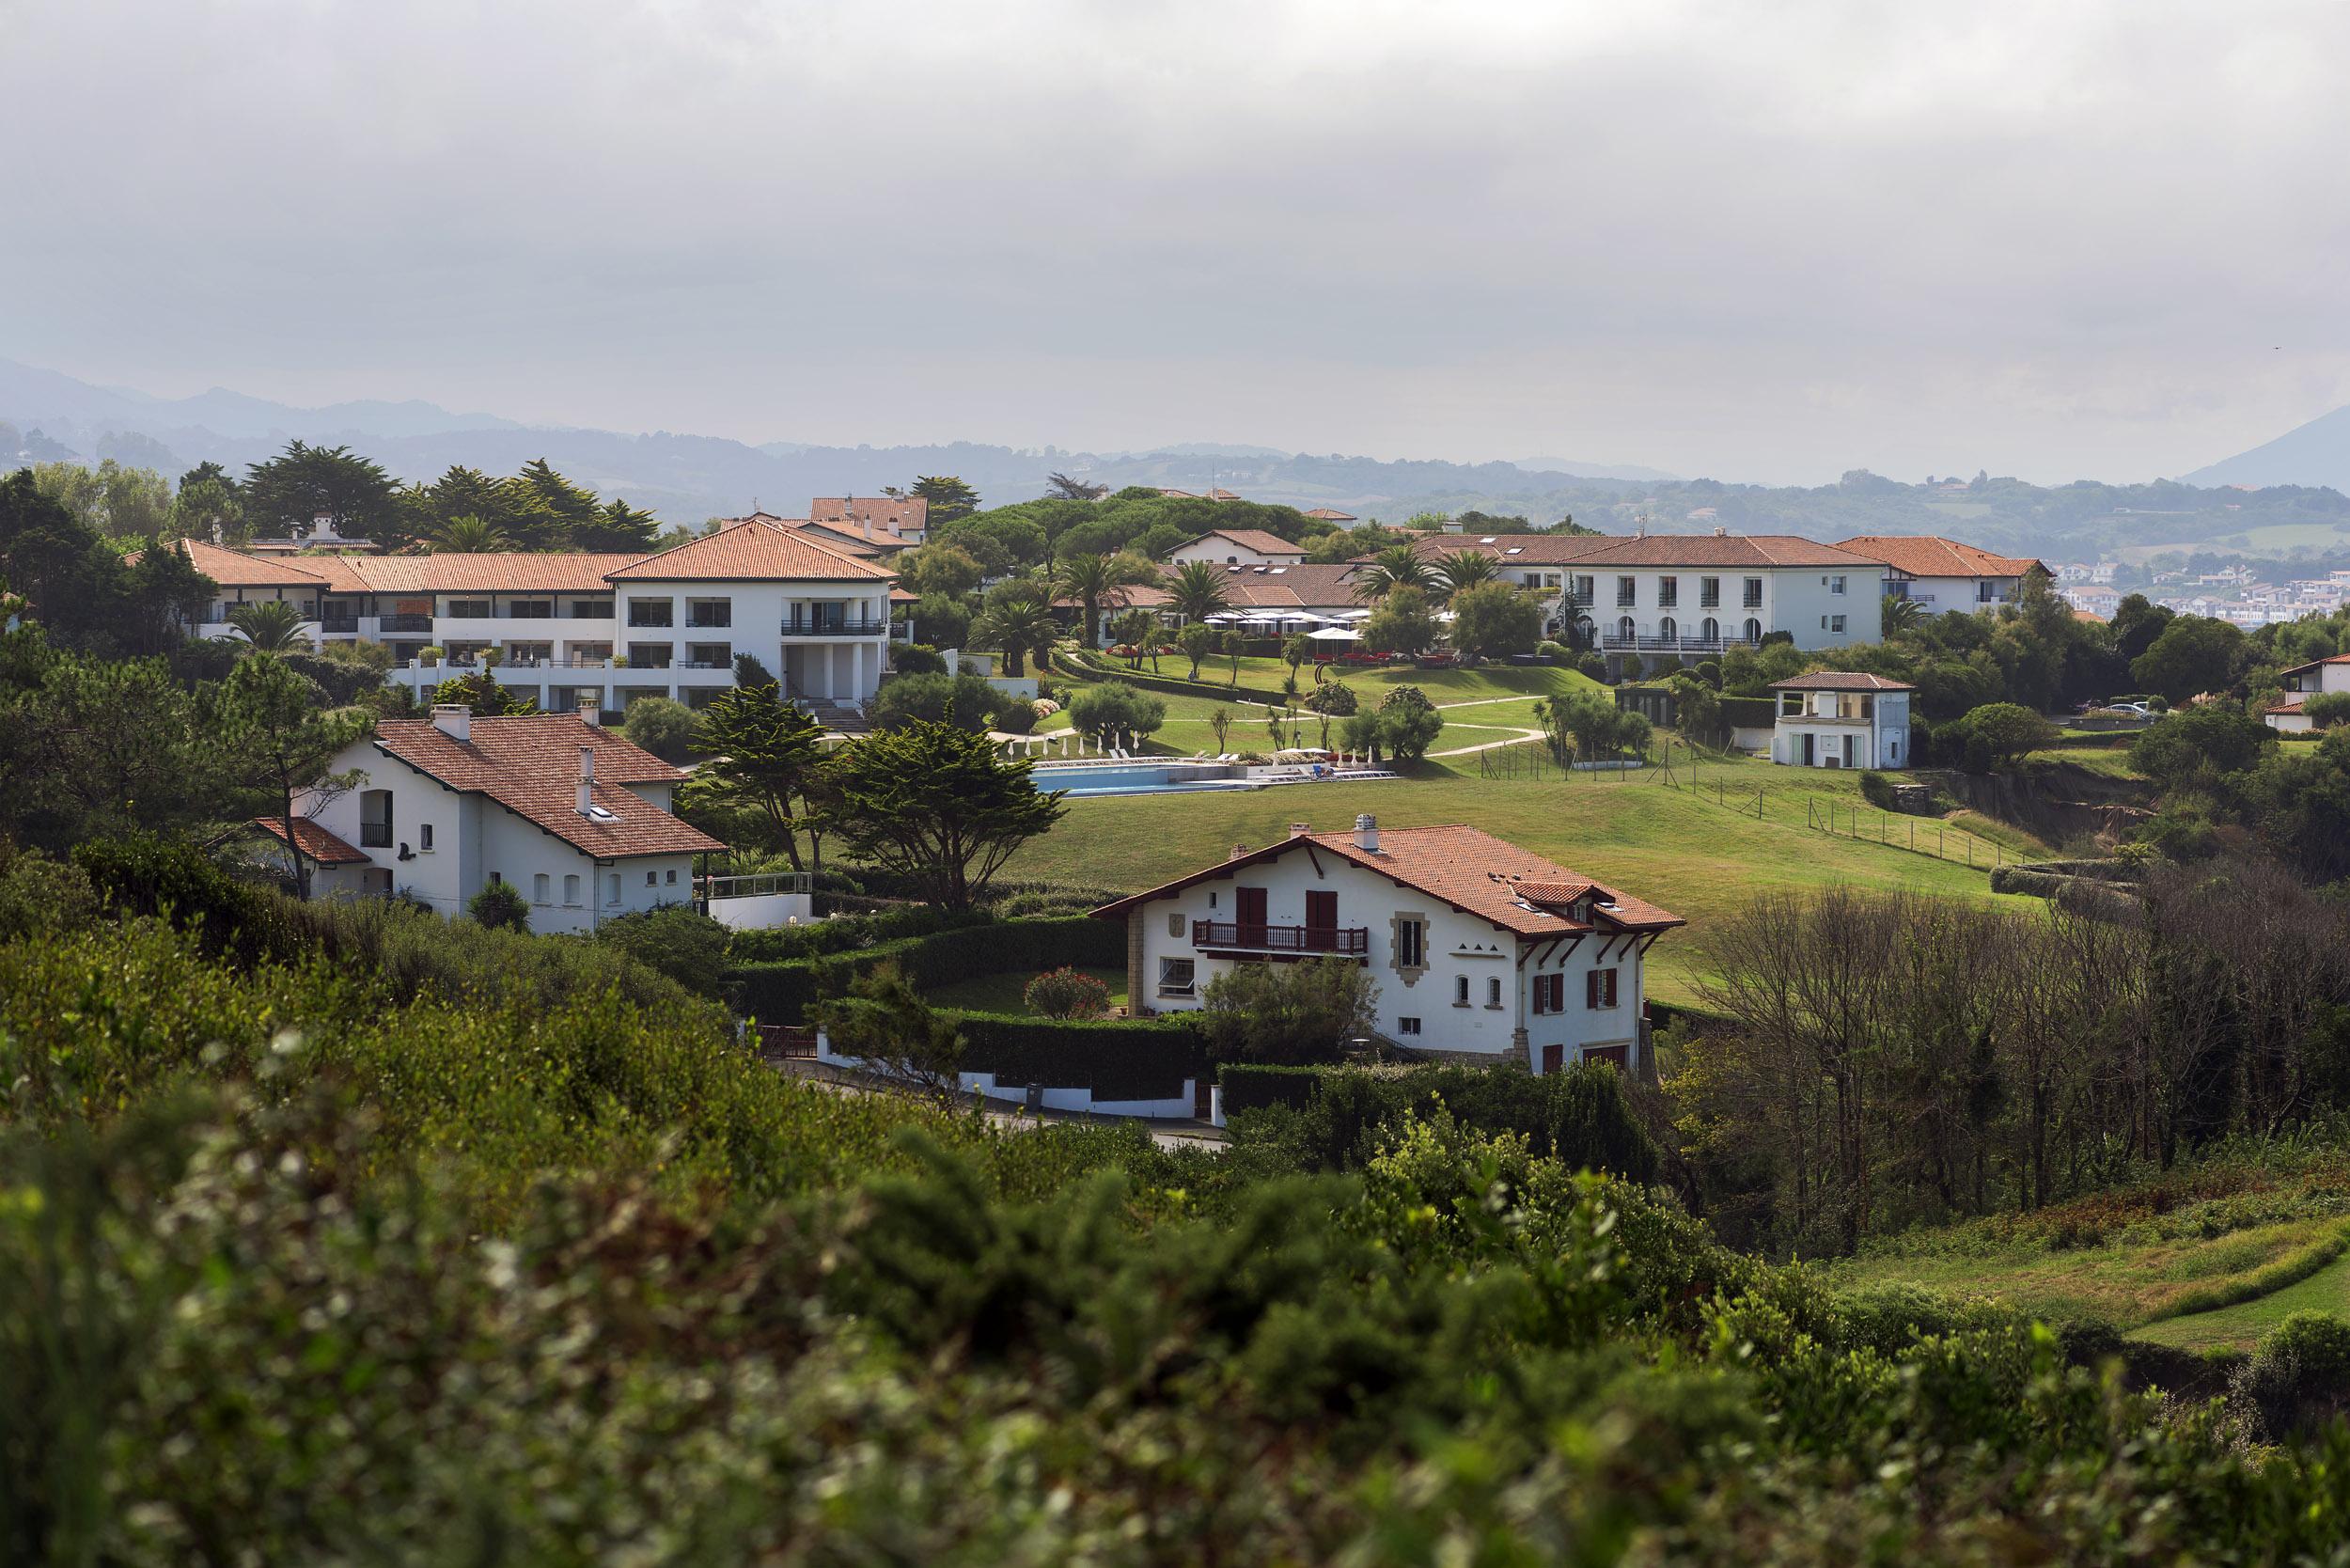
x: 899, y: 516
x: 1932, y: 556
x: 750, y: 551
x: 530, y: 765
x: 1305, y: 586
x: 1517, y: 549
x: 500, y: 571
x: 234, y: 568
x: 2292, y: 707
x: 1331, y: 514
x: 1466, y: 867
x: 1259, y: 540
x: 1840, y: 681
x: 316, y: 844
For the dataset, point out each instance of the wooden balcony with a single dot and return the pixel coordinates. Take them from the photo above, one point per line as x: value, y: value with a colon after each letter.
x: 1231, y: 936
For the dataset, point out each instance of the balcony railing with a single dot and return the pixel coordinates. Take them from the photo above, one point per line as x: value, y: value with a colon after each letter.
x: 1611, y: 642
x: 843, y: 627
x: 403, y: 623
x: 763, y: 884
x: 339, y: 623
x: 1348, y: 942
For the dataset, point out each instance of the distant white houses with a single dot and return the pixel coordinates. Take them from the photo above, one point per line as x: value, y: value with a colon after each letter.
x: 1943, y: 574
x: 1239, y: 547
x: 1481, y: 951
x: 571, y: 816
x: 1840, y: 720
x: 2301, y: 683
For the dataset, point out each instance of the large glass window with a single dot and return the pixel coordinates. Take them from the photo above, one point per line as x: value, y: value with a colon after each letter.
x: 1754, y: 594
x: 530, y: 609
x: 1709, y: 593
x: 375, y: 819
x: 650, y: 612
x: 1175, y: 977
x: 710, y: 612
x: 467, y: 609
x: 1411, y: 944
x: 1627, y: 592
x: 1667, y: 593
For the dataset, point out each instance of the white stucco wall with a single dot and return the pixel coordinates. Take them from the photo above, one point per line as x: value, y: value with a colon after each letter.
x: 1880, y: 742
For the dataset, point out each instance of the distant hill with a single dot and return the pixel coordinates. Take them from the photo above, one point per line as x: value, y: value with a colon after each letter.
x: 2318, y: 453
x: 1594, y: 470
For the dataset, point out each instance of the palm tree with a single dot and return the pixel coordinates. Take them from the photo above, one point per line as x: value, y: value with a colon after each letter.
x: 1397, y: 566
x: 1899, y: 614
x: 1018, y: 623
x: 270, y: 625
x: 470, y: 536
x: 1138, y: 629
x: 1090, y: 579
x: 1198, y: 590
x: 1466, y: 569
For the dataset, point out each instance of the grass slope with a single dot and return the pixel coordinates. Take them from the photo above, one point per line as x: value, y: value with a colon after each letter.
x: 2240, y: 1327
x: 1681, y: 847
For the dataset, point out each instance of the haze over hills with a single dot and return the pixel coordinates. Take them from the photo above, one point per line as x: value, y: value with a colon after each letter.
x: 2318, y: 453
x: 45, y: 416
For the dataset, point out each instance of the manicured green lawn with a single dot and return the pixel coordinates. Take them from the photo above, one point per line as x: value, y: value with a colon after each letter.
x: 1001, y: 993
x: 1686, y: 848
x: 2240, y: 1327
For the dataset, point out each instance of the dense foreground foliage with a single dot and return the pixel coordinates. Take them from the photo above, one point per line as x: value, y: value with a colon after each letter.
x: 298, y: 1270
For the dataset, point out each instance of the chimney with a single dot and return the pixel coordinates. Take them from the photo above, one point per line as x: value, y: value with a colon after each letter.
x: 1367, y: 833
x: 1720, y: 532
x: 1240, y: 851
x: 453, y: 719
x: 587, y: 778
x: 1298, y: 830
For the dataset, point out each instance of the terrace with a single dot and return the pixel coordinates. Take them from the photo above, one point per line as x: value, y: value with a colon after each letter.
x: 1228, y: 936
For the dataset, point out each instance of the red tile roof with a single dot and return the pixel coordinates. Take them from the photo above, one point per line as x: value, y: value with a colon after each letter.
x: 751, y: 551
x: 1723, y: 550
x: 500, y: 571
x: 2292, y: 707
x: 899, y: 516
x: 1331, y: 514
x: 316, y: 844
x: 530, y: 765
x: 1259, y: 540
x: 1305, y: 586
x: 233, y: 569
x: 1840, y: 681
x: 1932, y: 556
x: 1466, y: 867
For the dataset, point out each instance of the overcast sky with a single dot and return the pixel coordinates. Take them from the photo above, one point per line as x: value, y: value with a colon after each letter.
x: 1769, y: 240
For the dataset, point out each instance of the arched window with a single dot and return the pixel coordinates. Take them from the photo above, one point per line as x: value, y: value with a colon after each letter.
x: 1668, y: 630
x: 1712, y: 630
x: 1624, y: 629
x: 1754, y: 630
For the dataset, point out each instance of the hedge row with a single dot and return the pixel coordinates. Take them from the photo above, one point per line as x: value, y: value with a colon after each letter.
x: 1110, y: 670
x: 1136, y: 1060
x: 778, y: 944
x: 781, y: 991
x: 1253, y: 1086
x: 1749, y: 713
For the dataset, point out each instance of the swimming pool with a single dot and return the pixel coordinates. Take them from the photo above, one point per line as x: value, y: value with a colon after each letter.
x: 1140, y: 778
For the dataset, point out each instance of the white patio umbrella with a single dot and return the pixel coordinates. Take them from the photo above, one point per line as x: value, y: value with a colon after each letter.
x: 1334, y: 633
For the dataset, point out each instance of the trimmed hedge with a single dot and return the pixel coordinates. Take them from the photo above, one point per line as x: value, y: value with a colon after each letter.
x: 1138, y: 1060
x: 782, y: 992
x: 1253, y: 1086
x: 1749, y: 713
x: 778, y: 944
x: 1112, y: 671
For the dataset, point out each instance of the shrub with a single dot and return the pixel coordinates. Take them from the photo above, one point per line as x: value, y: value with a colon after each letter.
x: 1118, y: 1060
x: 1557, y: 652
x: 1594, y: 666
x: 1334, y: 697
x: 965, y: 701
x: 1876, y: 789
x: 661, y: 726
x: 1288, y: 1013
x: 2299, y: 1375
x: 1408, y: 724
x: 1014, y: 715
x: 1066, y: 993
x: 918, y: 658
x: 782, y: 992
x: 1115, y: 713
x: 500, y: 906
x: 689, y: 947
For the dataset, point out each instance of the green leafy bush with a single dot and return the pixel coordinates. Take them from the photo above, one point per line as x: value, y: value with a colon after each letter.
x: 1876, y: 789
x: 2299, y: 1374
x: 689, y: 947
x: 1066, y: 993
x: 782, y: 992
x: 500, y: 906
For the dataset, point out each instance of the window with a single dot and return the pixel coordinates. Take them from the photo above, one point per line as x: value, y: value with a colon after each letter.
x: 1836, y: 585
x: 612, y: 889
x: 375, y: 819
x: 1460, y: 990
x: 592, y: 609
x: 424, y: 838
x: 1754, y: 593
x: 710, y: 612
x: 1626, y: 592
x: 540, y: 886
x: 1836, y: 623
x: 530, y: 609
x: 1411, y: 943
x: 1175, y: 977
x: 650, y: 612
x: 1407, y: 1026
x: 671, y: 878
x: 571, y: 891
x: 650, y: 655
x: 1667, y: 593
x: 1868, y: 706
x: 1599, y: 988
x: 652, y: 879
x: 1982, y: 593
x: 1493, y: 991
x: 1709, y: 592
x: 1550, y: 993
x: 1754, y: 632
x: 468, y: 609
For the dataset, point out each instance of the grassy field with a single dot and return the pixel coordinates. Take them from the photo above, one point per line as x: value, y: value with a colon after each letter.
x: 2201, y: 1258
x: 1699, y: 848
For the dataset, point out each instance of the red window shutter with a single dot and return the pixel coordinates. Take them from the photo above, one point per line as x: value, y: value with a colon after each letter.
x: 1590, y: 989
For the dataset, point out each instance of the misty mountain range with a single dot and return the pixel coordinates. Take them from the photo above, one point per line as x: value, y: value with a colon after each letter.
x: 45, y: 416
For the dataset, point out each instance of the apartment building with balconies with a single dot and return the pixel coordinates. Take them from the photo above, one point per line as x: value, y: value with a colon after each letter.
x: 1943, y: 574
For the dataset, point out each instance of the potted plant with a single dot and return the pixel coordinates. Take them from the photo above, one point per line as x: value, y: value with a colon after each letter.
x: 429, y: 655
x: 493, y: 657
x: 619, y: 661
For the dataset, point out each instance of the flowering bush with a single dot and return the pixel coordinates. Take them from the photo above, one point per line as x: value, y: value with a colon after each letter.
x: 1067, y: 993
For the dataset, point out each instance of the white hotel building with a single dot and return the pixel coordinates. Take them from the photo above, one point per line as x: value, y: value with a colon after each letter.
x: 577, y: 631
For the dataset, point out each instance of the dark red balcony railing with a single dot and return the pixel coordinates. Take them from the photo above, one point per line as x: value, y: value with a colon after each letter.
x: 1351, y: 942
